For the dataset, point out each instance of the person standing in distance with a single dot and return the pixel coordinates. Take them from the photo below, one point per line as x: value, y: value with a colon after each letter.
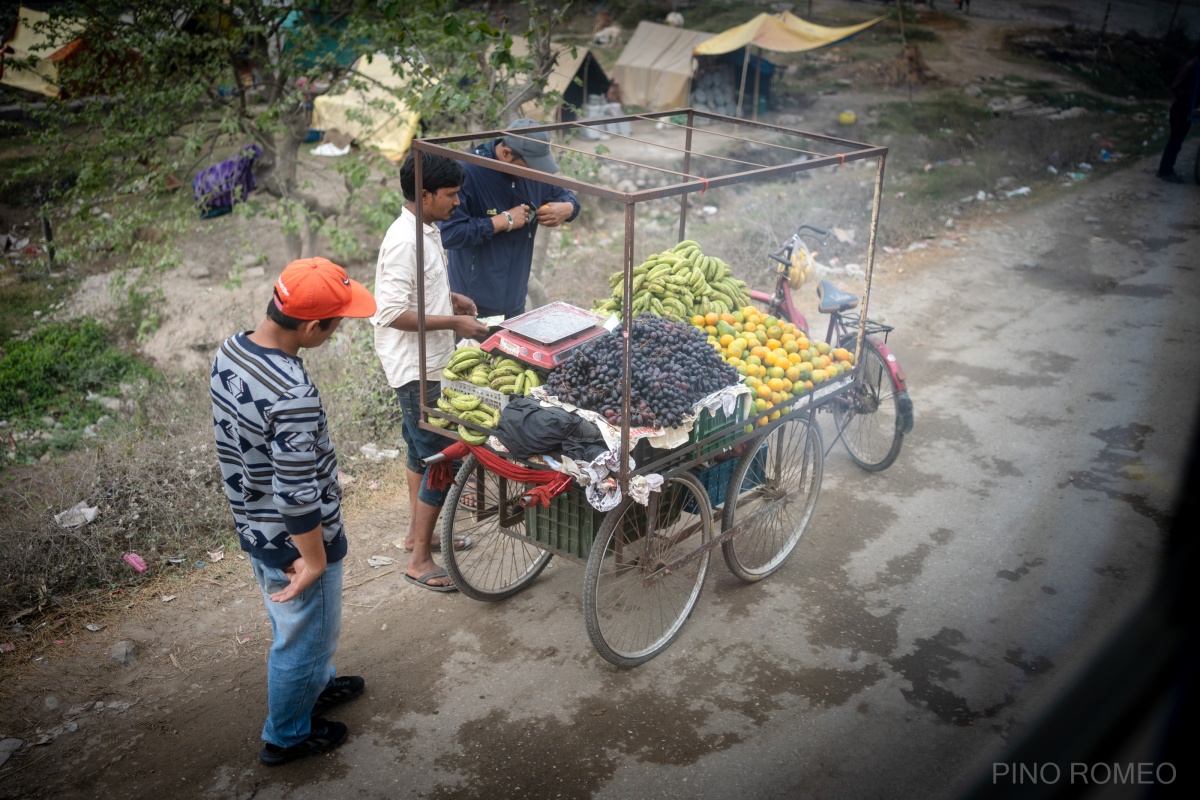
x: 280, y: 475
x: 490, y: 236
x: 1186, y: 90
x: 447, y: 315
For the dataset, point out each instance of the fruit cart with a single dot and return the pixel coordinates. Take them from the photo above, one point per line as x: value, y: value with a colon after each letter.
x: 743, y: 481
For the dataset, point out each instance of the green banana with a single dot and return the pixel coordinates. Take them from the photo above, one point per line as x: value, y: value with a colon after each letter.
x: 471, y: 437
x: 465, y: 402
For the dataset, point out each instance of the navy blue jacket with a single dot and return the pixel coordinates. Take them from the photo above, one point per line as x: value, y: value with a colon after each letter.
x: 493, y: 268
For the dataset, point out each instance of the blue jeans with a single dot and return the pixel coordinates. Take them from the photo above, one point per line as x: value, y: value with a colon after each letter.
x: 419, y: 442
x: 306, y: 630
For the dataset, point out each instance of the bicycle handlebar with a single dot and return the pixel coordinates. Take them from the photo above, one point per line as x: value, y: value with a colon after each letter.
x: 814, y: 229
x: 775, y: 257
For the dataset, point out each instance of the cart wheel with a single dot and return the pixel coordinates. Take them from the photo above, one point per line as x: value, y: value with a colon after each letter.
x: 772, y: 495
x: 500, y: 562
x: 646, y: 570
x: 868, y: 416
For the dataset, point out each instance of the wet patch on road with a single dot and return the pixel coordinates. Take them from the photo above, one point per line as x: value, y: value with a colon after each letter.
x: 930, y: 665
x: 1038, y: 665
x: 980, y: 376
x: 1114, y: 572
x: 936, y: 427
x: 1005, y: 469
x: 901, y: 569
x: 1102, y: 396
x: 1110, y: 286
x: 1156, y: 243
x: 548, y: 756
x: 1021, y: 571
x: 1120, y: 464
x: 1037, y: 421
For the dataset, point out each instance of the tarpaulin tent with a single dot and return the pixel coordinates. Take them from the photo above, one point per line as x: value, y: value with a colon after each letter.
x: 785, y: 33
x: 374, y: 115
x: 27, y: 42
x: 563, y: 79
x: 655, y: 68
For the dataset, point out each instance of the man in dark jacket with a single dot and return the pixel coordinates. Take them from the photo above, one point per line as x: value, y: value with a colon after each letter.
x: 489, y: 240
x: 1185, y: 88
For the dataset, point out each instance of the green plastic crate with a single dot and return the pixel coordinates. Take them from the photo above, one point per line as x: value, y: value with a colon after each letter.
x: 569, y: 523
x: 708, y: 423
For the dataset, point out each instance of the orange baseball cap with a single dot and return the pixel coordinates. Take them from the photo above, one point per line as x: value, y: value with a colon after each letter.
x: 316, y: 288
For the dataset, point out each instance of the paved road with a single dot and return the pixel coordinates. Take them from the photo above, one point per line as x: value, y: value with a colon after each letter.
x: 930, y: 611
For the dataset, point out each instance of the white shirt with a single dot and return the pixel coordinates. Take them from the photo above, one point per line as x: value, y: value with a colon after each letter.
x: 396, y: 292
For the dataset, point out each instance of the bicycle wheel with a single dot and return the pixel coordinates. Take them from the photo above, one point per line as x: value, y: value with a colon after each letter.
x: 646, y: 570
x: 771, y: 495
x: 500, y: 563
x: 868, y: 416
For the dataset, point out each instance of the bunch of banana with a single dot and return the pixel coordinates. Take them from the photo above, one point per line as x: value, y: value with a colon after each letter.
x: 466, y: 362
x: 678, y: 283
x: 468, y: 407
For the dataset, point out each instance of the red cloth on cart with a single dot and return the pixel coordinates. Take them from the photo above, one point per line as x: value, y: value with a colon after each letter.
x: 550, y: 483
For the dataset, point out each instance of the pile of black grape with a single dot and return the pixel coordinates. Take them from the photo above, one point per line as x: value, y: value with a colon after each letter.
x: 674, y: 366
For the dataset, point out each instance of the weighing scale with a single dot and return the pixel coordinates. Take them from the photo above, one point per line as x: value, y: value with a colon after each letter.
x: 545, y: 336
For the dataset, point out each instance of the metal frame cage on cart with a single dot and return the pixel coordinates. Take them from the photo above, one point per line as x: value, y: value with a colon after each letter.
x: 646, y: 564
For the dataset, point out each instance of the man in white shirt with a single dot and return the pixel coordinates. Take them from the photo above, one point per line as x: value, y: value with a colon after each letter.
x: 447, y: 315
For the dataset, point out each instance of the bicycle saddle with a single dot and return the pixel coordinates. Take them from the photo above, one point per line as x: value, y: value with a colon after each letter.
x: 834, y: 299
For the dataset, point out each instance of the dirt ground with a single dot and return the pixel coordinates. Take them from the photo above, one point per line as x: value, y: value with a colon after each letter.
x: 182, y: 718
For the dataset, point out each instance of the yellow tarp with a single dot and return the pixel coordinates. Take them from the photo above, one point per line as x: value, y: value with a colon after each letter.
x: 785, y: 33
x: 26, y: 42
x: 374, y: 116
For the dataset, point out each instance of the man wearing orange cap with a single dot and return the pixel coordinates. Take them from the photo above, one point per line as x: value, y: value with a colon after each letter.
x: 280, y: 476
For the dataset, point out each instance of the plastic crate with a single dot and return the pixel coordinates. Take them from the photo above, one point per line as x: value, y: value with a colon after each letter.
x: 716, y: 478
x: 569, y: 523
x: 489, y: 396
x: 708, y: 423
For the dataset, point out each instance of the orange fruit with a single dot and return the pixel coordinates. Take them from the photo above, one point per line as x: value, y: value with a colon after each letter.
x: 698, y: 320
x: 775, y: 385
x: 789, y: 346
x: 711, y: 318
x: 726, y: 317
x: 763, y: 390
x: 792, y: 373
x: 774, y: 331
x: 822, y: 347
x: 749, y: 326
x: 777, y: 372
x: 726, y: 339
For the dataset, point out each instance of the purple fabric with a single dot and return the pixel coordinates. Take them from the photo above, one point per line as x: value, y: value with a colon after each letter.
x: 226, y: 182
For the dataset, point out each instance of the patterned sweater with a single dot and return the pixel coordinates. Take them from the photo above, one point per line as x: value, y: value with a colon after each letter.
x: 277, y: 462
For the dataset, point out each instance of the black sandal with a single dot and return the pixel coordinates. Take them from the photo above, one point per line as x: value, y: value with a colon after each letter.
x: 325, y: 736
x: 338, y: 691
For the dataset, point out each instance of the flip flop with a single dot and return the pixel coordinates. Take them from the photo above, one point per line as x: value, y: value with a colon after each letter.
x: 466, y: 498
x: 460, y: 543
x: 424, y: 583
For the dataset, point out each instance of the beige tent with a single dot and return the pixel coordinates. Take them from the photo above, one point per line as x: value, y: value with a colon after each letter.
x: 567, y: 68
x: 26, y: 42
x: 374, y: 116
x: 655, y: 68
